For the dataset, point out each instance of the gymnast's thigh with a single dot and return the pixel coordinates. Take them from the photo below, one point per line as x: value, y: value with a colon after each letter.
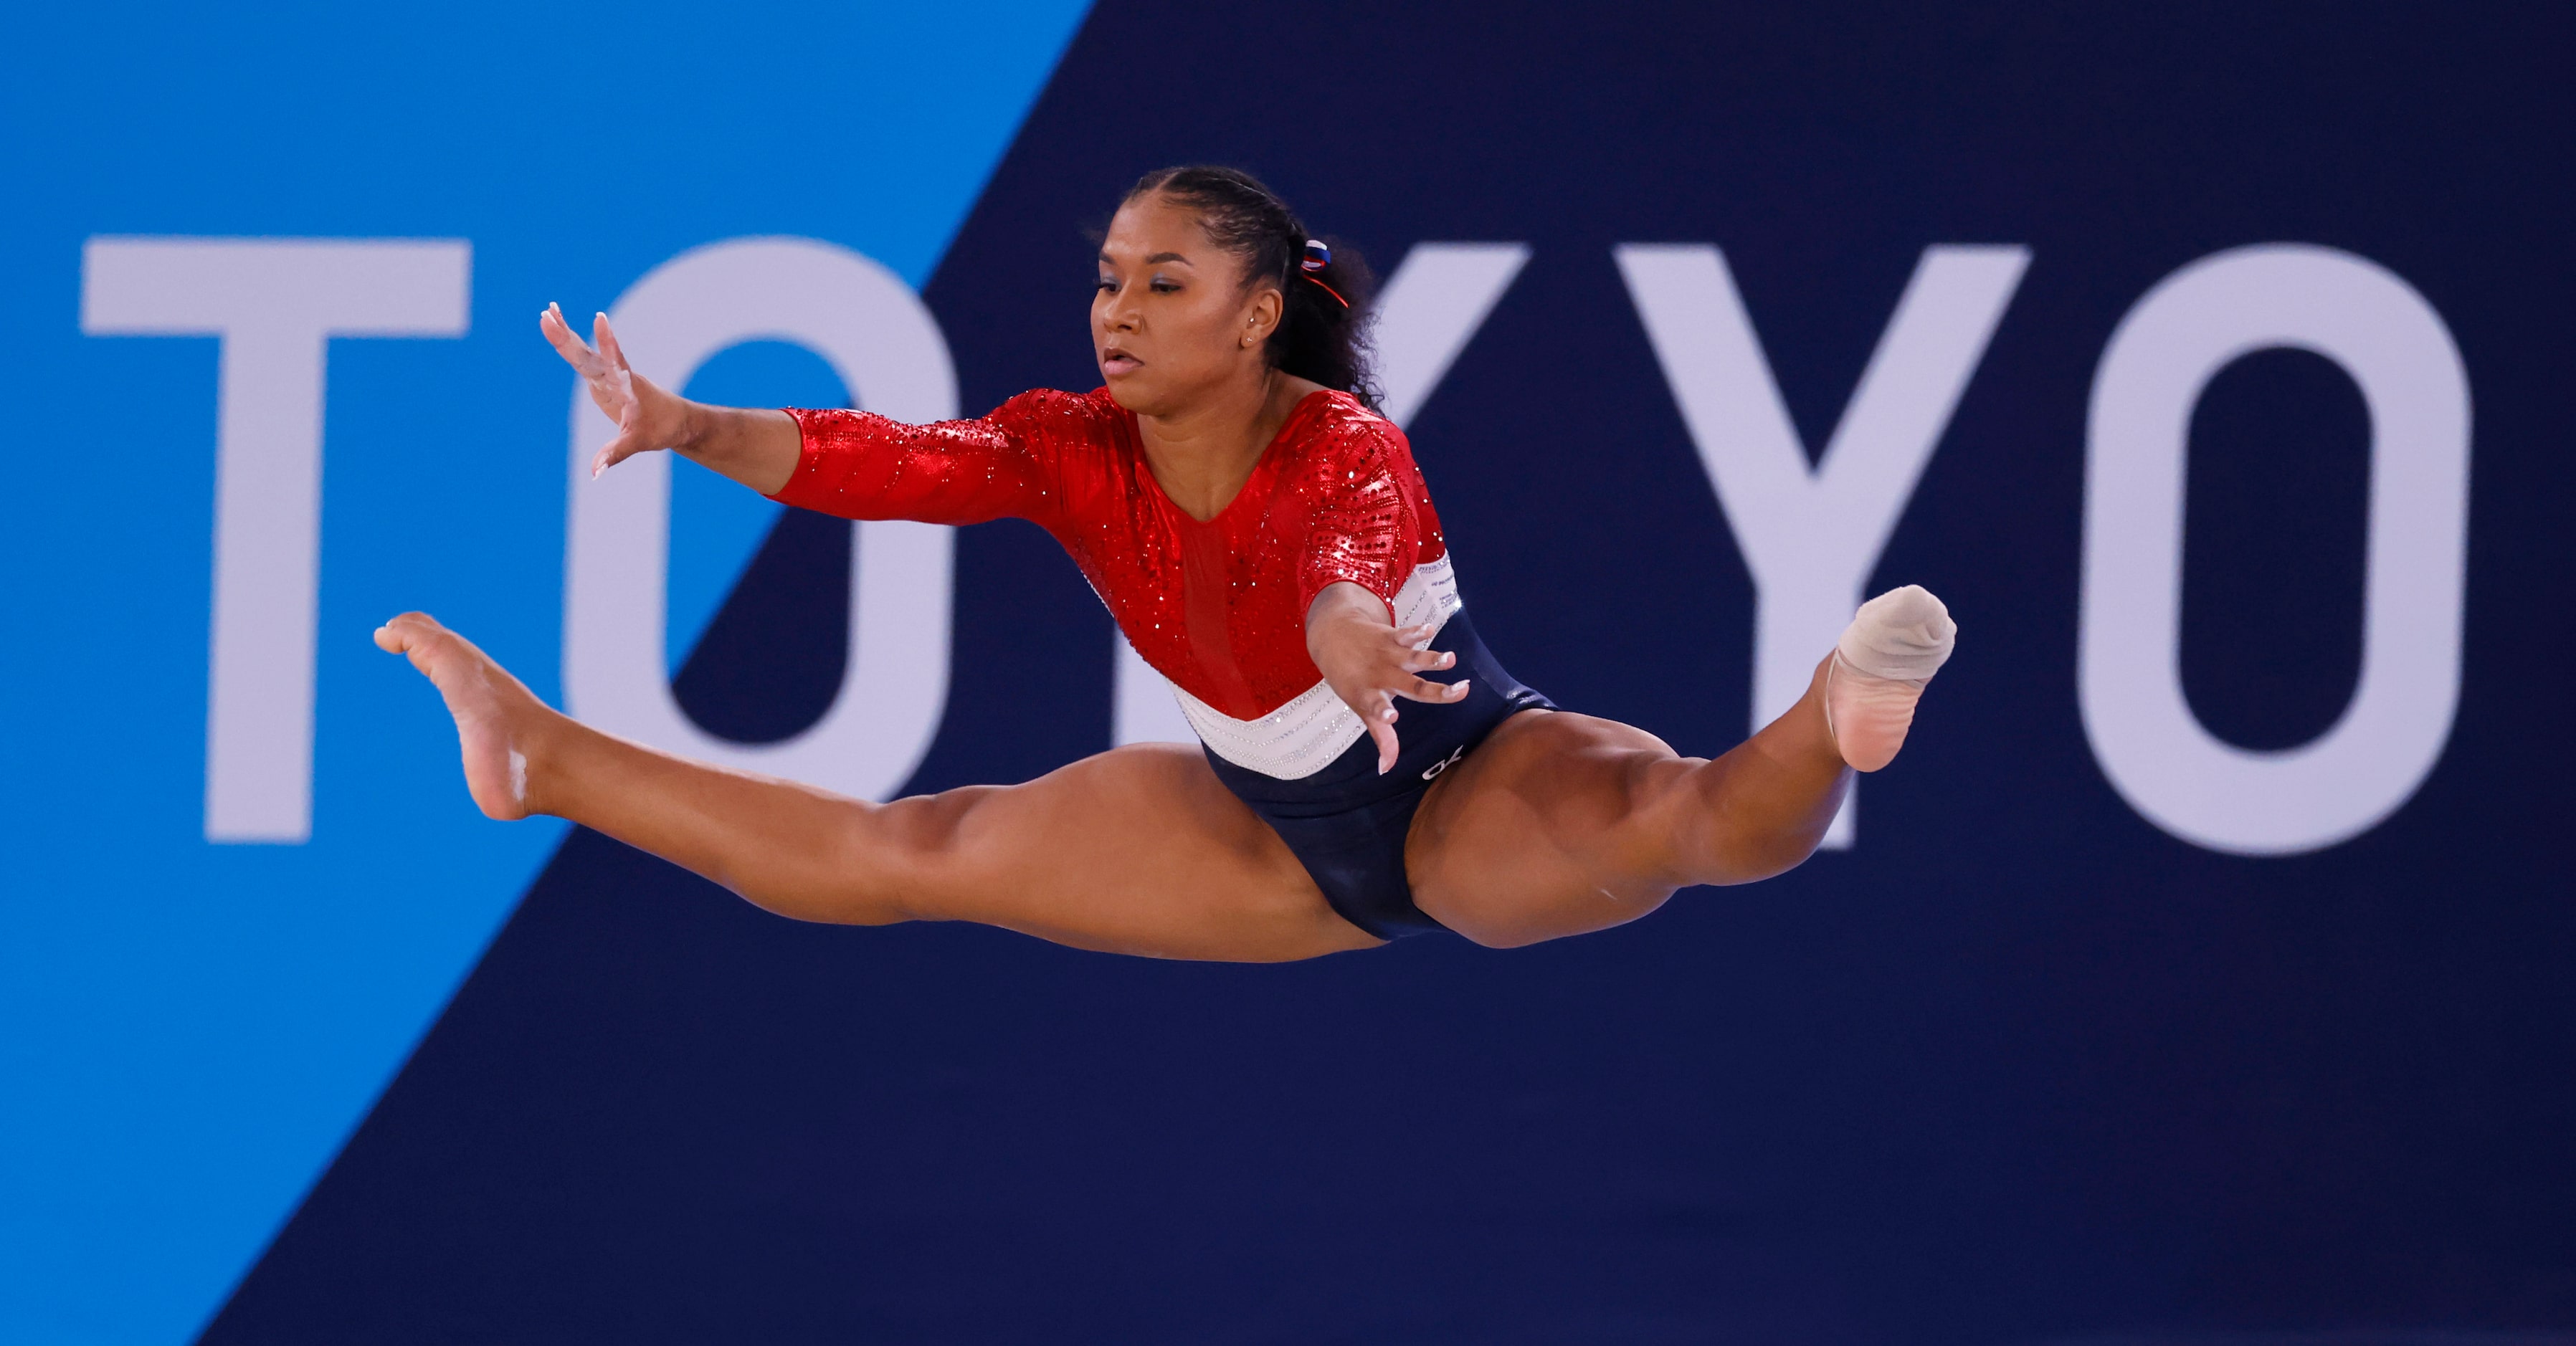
x: 1545, y: 831
x: 1138, y: 850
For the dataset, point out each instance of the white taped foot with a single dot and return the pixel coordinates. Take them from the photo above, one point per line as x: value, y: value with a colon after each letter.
x: 1894, y: 645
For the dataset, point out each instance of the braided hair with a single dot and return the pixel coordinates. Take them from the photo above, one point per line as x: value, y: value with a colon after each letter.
x: 1324, y: 291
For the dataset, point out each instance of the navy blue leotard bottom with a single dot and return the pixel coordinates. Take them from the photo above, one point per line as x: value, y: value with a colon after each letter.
x: 1347, y: 824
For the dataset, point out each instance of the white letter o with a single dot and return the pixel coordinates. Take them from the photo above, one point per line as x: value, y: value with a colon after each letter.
x: 2129, y: 671
x: 875, y: 333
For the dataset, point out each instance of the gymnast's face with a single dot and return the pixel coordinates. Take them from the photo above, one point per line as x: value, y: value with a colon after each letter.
x: 1173, y: 322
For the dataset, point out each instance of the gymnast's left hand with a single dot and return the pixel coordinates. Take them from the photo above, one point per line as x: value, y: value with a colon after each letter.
x: 1369, y: 661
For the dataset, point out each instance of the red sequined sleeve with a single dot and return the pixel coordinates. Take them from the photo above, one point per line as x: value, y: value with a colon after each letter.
x: 1364, y: 526
x: 859, y: 465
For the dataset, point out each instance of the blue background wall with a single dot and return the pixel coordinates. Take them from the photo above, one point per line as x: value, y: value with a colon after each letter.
x: 188, y: 1032
x: 2020, y: 1067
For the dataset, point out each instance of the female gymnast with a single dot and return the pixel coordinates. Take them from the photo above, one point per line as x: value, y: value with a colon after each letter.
x: 1264, y: 539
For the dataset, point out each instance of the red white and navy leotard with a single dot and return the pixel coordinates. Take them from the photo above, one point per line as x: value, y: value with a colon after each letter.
x: 1218, y: 607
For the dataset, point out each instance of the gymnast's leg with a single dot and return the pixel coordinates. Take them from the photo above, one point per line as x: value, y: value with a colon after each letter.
x: 1560, y: 824
x: 1137, y: 851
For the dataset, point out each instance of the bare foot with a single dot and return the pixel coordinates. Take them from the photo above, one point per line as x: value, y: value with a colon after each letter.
x: 497, y: 717
x: 1892, y: 648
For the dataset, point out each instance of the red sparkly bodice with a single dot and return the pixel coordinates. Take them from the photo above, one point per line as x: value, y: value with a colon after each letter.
x: 1218, y: 607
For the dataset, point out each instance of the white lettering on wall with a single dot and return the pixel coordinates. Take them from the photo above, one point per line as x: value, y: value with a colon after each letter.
x: 2155, y: 751
x: 888, y: 351
x: 275, y: 304
x: 1435, y: 301
x: 1811, y: 536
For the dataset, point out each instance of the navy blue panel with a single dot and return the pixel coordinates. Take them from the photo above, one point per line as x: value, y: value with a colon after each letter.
x: 2020, y: 1067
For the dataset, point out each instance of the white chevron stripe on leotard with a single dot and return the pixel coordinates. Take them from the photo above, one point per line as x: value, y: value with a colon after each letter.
x: 1302, y: 737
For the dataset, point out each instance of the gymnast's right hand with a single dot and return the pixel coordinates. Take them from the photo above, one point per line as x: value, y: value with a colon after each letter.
x: 647, y: 416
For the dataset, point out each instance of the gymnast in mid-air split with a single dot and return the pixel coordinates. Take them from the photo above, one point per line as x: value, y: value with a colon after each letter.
x: 1264, y: 539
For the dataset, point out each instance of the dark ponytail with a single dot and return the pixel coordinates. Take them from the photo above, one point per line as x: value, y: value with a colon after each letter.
x: 1324, y: 312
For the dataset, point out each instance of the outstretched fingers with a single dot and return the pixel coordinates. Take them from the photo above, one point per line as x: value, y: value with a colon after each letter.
x: 1424, y: 689
x: 609, y: 350
x: 1437, y: 693
x: 575, y: 351
x: 612, y: 453
x: 610, y: 377
x: 1380, y: 719
x: 1369, y: 664
x: 1380, y: 715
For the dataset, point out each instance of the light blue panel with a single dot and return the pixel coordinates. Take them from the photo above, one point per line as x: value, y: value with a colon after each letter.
x: 189, y: 1031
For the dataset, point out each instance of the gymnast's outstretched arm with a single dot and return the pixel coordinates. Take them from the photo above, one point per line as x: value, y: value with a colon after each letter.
x: 757, y: 448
